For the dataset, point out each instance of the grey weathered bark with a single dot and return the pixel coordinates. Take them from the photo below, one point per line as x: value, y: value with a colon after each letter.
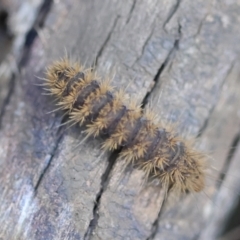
x: 183, y: 55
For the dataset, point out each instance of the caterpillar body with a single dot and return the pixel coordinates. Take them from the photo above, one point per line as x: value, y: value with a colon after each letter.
x: 144, y: 141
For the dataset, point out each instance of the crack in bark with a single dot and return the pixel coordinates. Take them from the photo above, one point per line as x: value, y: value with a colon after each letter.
x: 234, y: 143
x: 225, y: 168
x: 44, y: 9
x: 45, y: 169
x: 7, y: 99
x: 155, y: 224
x: 131, y: 11
x: 111, y: 161
x: 231, y: 152
x: 150, y: 36
x: 172, y: 12
x: 145, y: 43
x: 104, y: 183
x: 162, y: 67
x: 206, y: 122
x: 29, y: 40
x: 106, y: 41
x: 32, y: 33
x: 200, y: 26
x: 113, y: 157
x: 168, y: 59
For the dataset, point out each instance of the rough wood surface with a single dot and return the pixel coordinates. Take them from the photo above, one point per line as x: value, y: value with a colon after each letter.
x: 183, y: 55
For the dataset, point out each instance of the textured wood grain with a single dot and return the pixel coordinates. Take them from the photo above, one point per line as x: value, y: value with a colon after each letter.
x: 184, y: 56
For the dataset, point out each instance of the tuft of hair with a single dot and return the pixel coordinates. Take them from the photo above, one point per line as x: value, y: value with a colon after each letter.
x: 145, y: 142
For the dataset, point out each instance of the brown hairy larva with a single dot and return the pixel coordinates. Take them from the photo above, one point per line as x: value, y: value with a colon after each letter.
x: 145, y: 142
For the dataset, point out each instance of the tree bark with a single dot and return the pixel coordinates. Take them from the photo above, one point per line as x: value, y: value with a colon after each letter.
x: 180, y: 56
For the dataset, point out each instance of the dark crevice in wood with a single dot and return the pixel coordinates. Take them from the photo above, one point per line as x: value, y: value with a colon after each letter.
x: 27, y: 46
x: 104, y: 183
x: 150, y: 36
x: 162, y: 67
x: 206, y: 122
x: 230, y: 156
x: 106, y: 41
x: 6, y: 35
x: 111, y: 161
x: 172, y: 12
x: 33, y: 32
x: 114, y: 155
x: 222, y: 175
x: 3, y: 20
x: 28, y: 42
x: 200, y: 26
x: 6, y: 101
x: 145, y: 44
x: 168, y: 59
x: 231, y: 229
x: 30, y: 37
x: 156, y: 222
x: 45, y: 169
x: 131, y: 11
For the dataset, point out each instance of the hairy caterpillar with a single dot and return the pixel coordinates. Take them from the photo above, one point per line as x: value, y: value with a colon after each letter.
x: 144, y: 142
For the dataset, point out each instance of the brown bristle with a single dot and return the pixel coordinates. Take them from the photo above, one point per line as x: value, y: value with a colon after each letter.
x: 145, y: 143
